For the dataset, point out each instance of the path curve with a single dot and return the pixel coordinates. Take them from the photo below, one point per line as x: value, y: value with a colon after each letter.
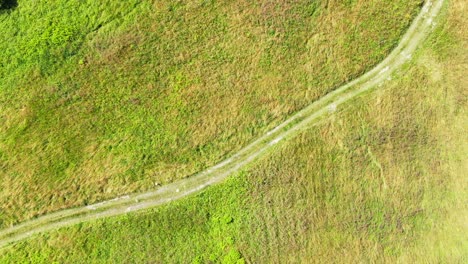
x: 416, y: 34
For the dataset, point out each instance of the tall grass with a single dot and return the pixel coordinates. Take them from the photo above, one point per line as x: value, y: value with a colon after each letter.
x: 100, y: 99
x: 381, y: 181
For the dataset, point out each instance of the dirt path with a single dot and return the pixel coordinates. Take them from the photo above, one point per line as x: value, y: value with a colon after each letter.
x: 416, y: 34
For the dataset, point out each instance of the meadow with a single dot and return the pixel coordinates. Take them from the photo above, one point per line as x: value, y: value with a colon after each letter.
x: 382, y: 180
x: 102, y: 99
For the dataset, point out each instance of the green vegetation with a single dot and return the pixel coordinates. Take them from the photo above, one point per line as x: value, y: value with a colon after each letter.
x: 102, y: 98
x: 382, y: 180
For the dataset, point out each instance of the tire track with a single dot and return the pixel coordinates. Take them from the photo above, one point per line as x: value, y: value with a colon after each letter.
x: 416, y: 34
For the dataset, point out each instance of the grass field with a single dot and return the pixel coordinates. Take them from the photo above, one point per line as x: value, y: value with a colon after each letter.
x: 100, y: 99
x: 382, y: 180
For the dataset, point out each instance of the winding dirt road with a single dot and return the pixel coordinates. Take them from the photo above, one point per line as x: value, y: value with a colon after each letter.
x: 416, y: 34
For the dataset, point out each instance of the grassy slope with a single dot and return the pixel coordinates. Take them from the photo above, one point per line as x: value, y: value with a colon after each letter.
x: 99, y: 99
x: 382, y: 180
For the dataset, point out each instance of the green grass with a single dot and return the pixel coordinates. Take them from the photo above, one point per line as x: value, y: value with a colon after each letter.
x: 381, y: 181
x: 100, y: 99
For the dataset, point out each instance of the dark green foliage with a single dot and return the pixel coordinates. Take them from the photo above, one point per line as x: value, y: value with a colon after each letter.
x: 8, y: 4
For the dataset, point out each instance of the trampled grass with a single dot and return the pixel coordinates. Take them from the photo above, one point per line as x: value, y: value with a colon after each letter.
x: 382, y: 180
x: 99, y: 99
